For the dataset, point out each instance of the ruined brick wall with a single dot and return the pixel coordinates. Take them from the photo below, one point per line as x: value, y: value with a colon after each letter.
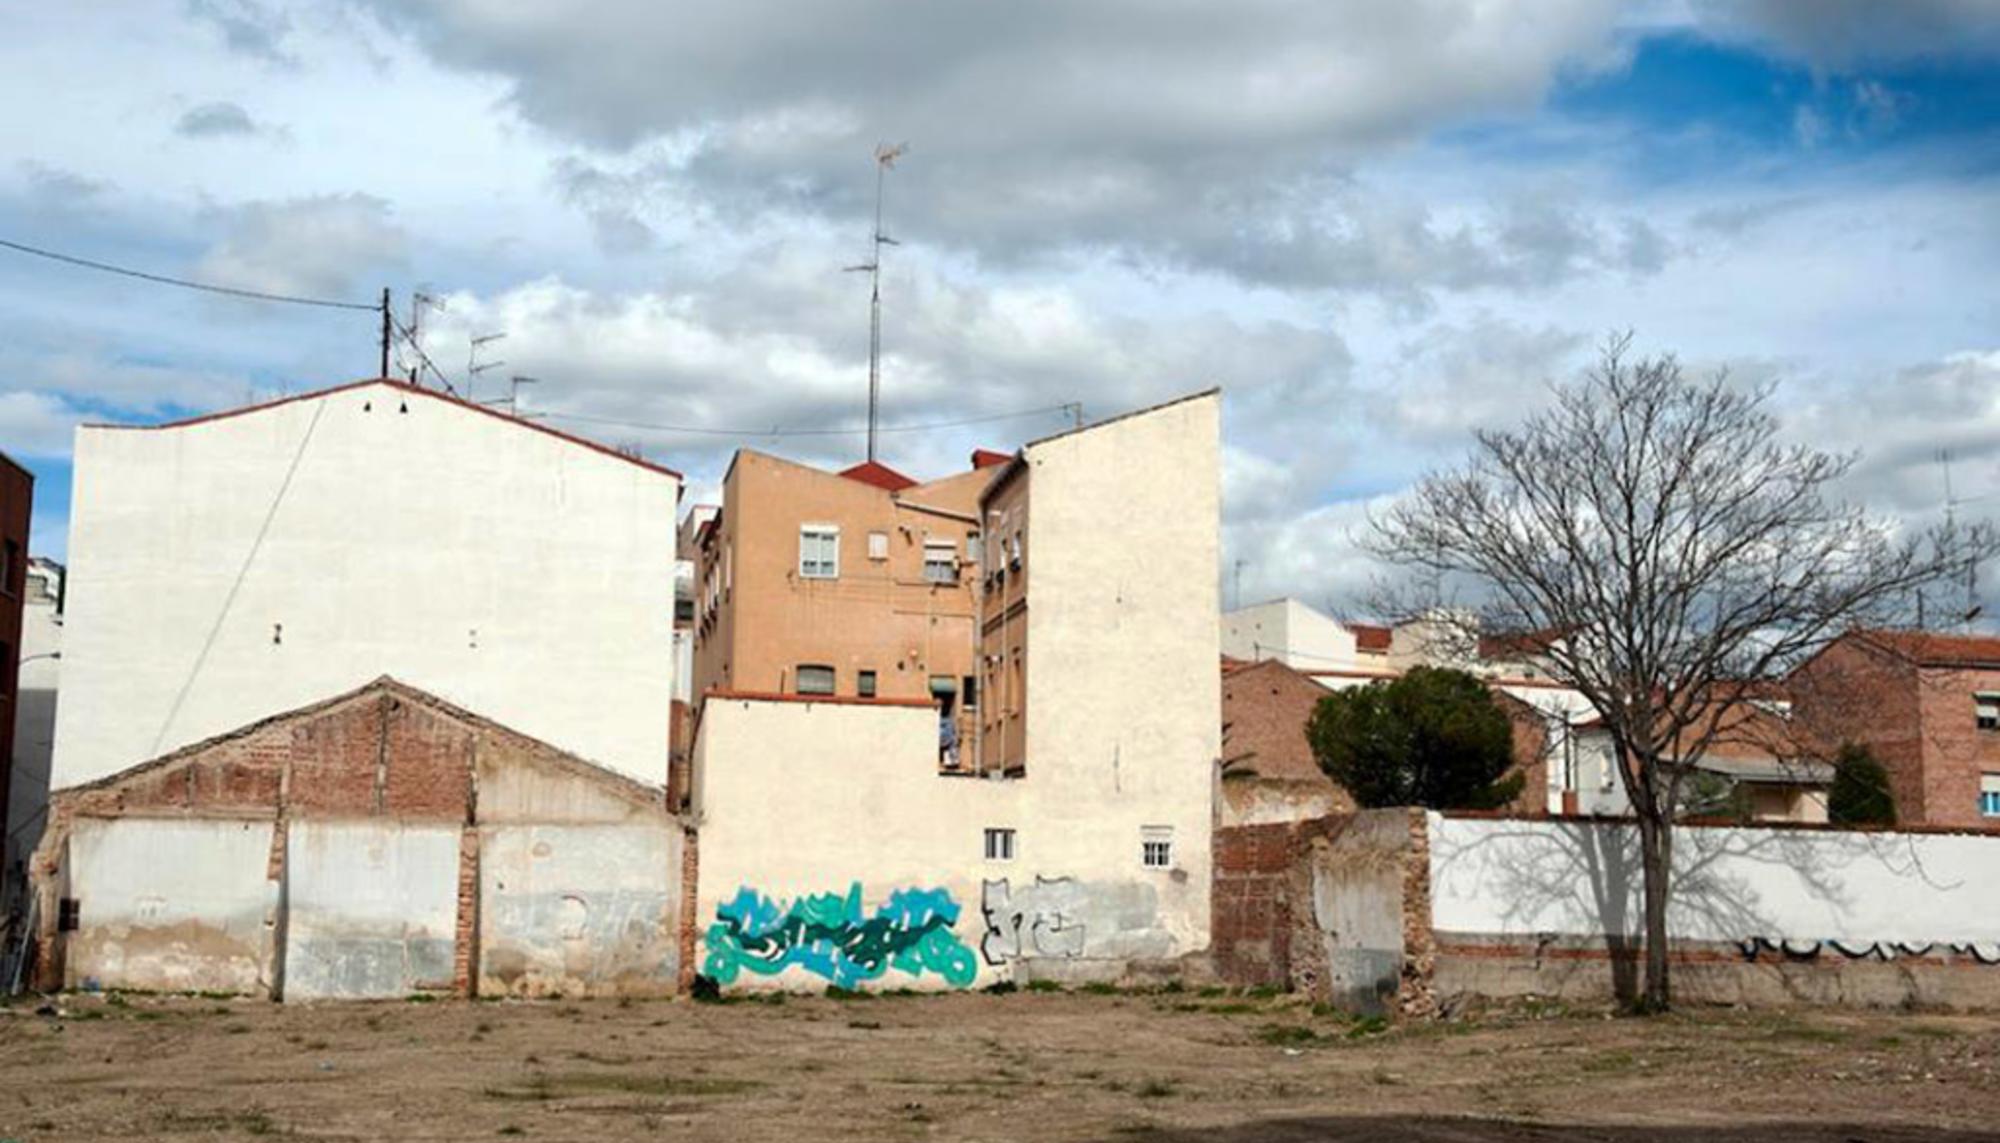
x: 1250, y: 911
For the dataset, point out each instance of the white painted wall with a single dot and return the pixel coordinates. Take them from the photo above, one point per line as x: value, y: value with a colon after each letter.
x: 1287, y: 630
x: 521, y: 576
x: 1124, y: 709
x: 371, y: 909
x: 34, y: 727
x: 797, y: 799
x: 171, y: 905
x: 1581, y: 879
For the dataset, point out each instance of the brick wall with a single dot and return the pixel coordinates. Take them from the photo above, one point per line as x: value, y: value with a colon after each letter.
x: 1250, y: 909
x: 385, y: 750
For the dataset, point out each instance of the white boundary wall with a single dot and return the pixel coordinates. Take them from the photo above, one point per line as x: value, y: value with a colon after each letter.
x: 1524, y: 878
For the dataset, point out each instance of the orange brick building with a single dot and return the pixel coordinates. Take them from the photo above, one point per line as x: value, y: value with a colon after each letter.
x: 1927, y: 705
x: 861, y: 583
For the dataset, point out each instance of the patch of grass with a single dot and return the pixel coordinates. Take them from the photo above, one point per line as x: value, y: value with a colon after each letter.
x: 1605, y: 1062
x: 1286, y: 1035
x: 1808, y: 1033
x: 512, y: 1129
x: 866, y: 1025
x: 1044, y: 986
x: 836, y: 992
x: 1233, y: 1008
x: 1156, y: 1089
x: 236, y: 1029
x: 1211, y: 992
x: 421, y: 998
x: 1099, y: 988
x: 1263, y: 992
x: 1367, y: 1026
x: 1934, y: 1032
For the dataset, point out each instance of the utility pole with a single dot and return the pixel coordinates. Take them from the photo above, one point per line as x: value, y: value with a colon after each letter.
x: 885, y: 157
x: 384, y: 372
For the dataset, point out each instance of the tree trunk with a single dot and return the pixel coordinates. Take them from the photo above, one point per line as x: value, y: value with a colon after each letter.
x: 1656, y: 858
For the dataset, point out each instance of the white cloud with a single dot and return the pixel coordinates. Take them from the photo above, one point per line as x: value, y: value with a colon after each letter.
x: 37, y: 424
x: 313, y: 246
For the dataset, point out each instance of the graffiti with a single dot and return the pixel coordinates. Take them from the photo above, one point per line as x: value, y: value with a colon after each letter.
x: 828, y: 935
x: 1865, y: 950
x: 1039, y: 920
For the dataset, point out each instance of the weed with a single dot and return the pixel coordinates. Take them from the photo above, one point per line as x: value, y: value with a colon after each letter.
x: 1262, y: 992
x: 1368, y: 1026
x: 1156, y: 1089
x: 420, y: 998
x: 1211, y: 992
x: 866, y: 1025
x: 836, y: 992
x: 1044, y: 986
x: 511, y: 1129
x: 1608, y: 1062
x: 1286, y: 1035
x: 1099, y: 988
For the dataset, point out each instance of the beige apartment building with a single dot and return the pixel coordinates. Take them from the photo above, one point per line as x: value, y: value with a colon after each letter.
x: 859, y: 584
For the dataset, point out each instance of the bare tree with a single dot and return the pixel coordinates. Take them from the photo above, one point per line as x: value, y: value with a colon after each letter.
x: 1684, y: 556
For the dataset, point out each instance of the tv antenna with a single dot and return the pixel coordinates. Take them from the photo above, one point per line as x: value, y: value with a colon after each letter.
x: 885, y: 158
x: 1951, y: 503
x: 473, y: 368
x: 418, y: 301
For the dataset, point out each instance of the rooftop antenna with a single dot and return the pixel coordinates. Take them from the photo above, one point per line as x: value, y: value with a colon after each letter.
x: 1951, y: 503
x: 885, y: 158
x: 472, y: 366
x: 419, y: 300
x: 513, y: 398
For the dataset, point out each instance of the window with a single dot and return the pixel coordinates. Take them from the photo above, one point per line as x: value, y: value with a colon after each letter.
x: 999, y: 845
x: 1014, y: 554
x: 683, y: 611
x: 940, y: 561
x: 1989, y: 795
x: 1156, y: 847
x: 969, y: 692
x: 878, y: 545
x: 1986, y: 710
x: 819, y: 551
x: 12, y: 569
x: 815, y: 680
x: 972, y: 548
x: 864, y: 684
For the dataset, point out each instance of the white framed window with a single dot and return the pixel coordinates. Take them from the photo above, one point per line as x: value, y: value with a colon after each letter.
x: 1014, y: 553
x: 814, y: 679
x: 1989, y: 795
x: 1156, y: 847
x: 999, y: 844
x: 972, y: 548
x: 819, y: 551
x: 1986, y: 710
x: 878, y: 545
x: 940, y: 561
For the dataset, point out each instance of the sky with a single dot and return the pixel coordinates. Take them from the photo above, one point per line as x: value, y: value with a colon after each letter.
x: 1378, y: 227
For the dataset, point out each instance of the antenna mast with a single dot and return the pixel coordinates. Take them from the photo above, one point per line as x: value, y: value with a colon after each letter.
x: 885, y: 158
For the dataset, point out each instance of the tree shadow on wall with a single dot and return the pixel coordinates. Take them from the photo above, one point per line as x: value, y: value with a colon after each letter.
x: 1583, y: 880
x: 1427, y: 1129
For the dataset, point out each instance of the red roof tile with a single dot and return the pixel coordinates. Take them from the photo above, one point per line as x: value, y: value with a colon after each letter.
x: 878, y: 474
x: 1370, y: 637
x: 987, y: 458
x: 1934, y: 649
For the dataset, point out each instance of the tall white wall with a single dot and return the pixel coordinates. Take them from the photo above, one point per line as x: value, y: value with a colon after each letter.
x: 1124, y: 702
x: 34, y: 730
x: 229, y: 569
x: 1289, y: 631
x: 1582, y: 879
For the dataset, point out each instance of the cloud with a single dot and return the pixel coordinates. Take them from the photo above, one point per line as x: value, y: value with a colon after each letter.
x: 37, y: 424
x: 1845, y: 34
x: 249, y: 27
x: 1172, y: 134
x: 317, y: 245
x: 211, y: 120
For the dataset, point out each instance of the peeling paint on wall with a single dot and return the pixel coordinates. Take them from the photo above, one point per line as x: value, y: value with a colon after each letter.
x: 1065, y: 917
x: 569, y: 910
x: 827, y: 935
x: 371, y: 909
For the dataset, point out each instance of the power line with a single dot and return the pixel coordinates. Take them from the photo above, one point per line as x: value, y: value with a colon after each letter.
x: 162, y: 279
x: 424, y: 359
x: 778, y: 432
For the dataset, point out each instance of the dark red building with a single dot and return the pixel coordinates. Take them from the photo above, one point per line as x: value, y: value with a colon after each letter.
x: 17, y: 497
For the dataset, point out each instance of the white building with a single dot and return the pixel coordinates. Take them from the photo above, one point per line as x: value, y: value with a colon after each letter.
x: 233, y: 566
x: 1290, y: 632
x: 34, y: 722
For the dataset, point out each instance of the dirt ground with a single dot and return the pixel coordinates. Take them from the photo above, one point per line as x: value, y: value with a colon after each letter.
x: 1029, y: 1066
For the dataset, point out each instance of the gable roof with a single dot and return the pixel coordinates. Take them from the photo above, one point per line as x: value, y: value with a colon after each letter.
x: 987, y: 458
x: 406, y: 388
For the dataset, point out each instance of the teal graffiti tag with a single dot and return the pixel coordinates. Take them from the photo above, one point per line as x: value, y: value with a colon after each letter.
x: 827, y: 934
